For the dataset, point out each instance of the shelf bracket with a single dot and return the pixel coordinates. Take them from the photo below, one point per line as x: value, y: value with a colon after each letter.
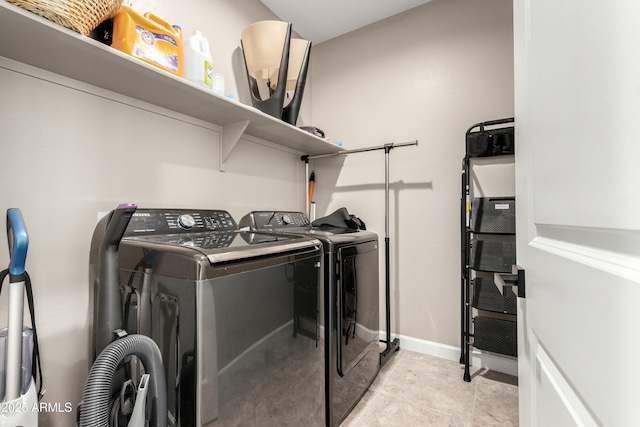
x: 231, y: 134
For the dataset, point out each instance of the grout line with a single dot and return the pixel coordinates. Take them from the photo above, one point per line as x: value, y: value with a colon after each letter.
x: 473, y: 405
x: 381, y: 393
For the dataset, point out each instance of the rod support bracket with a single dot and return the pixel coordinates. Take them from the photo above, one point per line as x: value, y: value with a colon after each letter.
x: 392, y: 348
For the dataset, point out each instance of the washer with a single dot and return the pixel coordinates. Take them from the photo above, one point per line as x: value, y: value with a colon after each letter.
x: 235, y: 315
x: 351, y: 285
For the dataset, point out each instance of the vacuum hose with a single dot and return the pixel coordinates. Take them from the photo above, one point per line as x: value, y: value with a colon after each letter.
x: 109, y: 316
x: 97, y: 391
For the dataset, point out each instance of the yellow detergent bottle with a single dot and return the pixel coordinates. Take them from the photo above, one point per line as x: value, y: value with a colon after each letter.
x: 149, y: 39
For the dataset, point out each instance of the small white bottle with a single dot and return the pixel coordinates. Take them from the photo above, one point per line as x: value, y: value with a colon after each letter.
x: 198, y: 67
x: 218, y: 83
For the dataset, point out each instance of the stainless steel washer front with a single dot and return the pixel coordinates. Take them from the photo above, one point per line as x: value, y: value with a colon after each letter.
x: 236, y: 316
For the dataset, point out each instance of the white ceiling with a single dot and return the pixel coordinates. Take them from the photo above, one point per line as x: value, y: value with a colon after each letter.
x: 321, y: 20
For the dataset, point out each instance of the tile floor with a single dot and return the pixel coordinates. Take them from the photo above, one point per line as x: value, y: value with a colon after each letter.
x: 415, y: 389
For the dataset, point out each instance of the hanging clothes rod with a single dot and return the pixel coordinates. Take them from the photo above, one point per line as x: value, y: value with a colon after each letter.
x: 393, y: 345
x: 362, y: 150
x: 386, y: 147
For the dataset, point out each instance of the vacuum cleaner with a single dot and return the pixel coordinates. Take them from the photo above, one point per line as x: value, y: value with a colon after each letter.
x: 19, y: 352
x: 102, y: 403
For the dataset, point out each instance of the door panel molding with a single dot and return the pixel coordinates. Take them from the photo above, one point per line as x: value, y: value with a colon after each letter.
x: 567, y: 406
x: 614, y: 251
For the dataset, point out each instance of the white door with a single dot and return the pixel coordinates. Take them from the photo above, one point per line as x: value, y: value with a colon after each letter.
x: 577, y: 77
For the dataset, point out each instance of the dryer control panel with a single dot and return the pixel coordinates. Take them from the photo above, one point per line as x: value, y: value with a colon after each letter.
x: 273, y: 220
x: 172, y: 221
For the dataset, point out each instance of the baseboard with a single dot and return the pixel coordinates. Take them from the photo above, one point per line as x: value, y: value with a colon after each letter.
x: 505, y: 364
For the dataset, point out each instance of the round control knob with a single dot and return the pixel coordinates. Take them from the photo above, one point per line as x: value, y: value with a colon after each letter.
x: 187, y: 242
x: 286, y: 219
x: 186, y: 221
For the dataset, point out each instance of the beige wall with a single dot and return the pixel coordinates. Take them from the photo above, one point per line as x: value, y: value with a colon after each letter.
x: 70, y: 151
x: 426, y: 74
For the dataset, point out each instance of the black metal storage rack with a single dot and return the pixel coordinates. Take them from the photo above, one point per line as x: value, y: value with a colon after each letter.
x: 488, y: 252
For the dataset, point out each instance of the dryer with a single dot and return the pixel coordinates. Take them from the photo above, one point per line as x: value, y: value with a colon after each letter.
x: 235, y: 315
x: 351, y: 312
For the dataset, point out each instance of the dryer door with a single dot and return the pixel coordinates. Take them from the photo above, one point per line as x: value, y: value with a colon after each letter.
x: 357, y: 303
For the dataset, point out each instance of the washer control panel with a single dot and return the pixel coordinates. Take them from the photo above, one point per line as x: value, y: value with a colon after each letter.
x: 273, y: 220
x: 171, y: 221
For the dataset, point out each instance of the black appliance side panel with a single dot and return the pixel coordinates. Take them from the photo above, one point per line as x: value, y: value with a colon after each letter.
x: 358, y: 302
x: 355, y: 352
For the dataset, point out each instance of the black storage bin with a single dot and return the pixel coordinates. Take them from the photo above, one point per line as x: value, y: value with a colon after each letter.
x: 495, y: 335
x: 493, y: 215
x: 487, y: 296
x: 486, y: 255
x: 495, y: 142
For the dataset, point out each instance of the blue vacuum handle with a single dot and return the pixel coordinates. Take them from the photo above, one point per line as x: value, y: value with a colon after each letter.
x: 109, y: 310
x: 18, y: 244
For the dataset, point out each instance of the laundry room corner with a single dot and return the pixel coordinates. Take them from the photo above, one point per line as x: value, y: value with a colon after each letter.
x: 79, y: 139
x: 424, y: 75
x: 71, y: 150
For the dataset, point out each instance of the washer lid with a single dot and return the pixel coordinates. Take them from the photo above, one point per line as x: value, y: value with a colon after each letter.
x: 262, y: 244
x: 212, y: 233
x: 230, y: 246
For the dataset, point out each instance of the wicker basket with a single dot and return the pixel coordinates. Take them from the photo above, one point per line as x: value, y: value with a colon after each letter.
x: 81, y: 16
